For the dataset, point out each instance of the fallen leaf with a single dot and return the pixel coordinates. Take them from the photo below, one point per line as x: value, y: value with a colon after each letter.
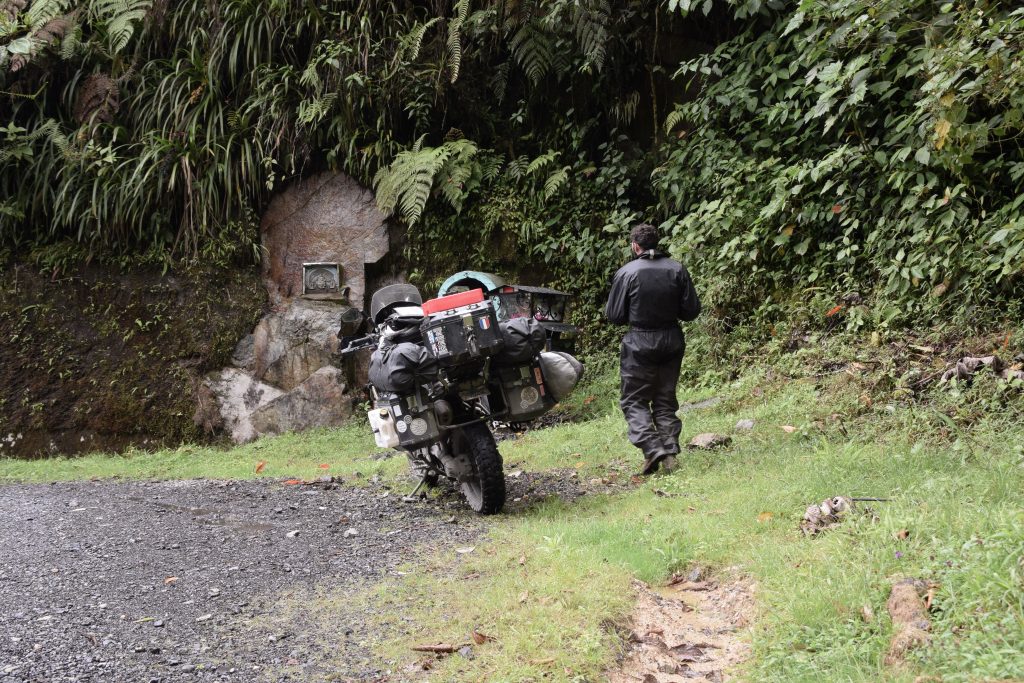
x: 789, y: 429
x: 480, y: 638
x: 292, y: 482
x: 837, y: 208
x: 589, y: 399
x: 522, y: 560
x: 765, y: 516
x: 835, y: 309
x: 466, y: 550
x: 901, y: 535
x: 930, y: 597
x: 580, y: 464
x: 523, y: 597
x: 260, y: 465
x: 542, y: 662
x: 169, y: 580
x: 324, y: 466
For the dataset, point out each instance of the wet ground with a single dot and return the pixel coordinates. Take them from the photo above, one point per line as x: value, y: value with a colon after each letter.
x: 177, y: 581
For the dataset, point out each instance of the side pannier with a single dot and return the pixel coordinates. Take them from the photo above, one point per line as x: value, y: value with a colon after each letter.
x: 395, y: 367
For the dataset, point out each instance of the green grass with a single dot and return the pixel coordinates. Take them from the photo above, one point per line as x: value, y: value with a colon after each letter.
x: 553, y: 582
x: 346, y: 452
x: 556, y: 577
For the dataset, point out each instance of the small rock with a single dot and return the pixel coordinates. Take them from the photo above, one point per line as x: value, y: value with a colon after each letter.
x: 294, y: 533
x: 710, y: 440
x: 158, y: 624
x: 205, y: 617
x: 744, y: 425
x: 351, y: 532
x: 278, y: 511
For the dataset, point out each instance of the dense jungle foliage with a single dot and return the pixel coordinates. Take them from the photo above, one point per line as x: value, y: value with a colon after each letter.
x: 865, y: 154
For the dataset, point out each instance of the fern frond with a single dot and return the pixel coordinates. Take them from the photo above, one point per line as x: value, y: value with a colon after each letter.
x: 120, y: 17
x: 542, y: 161
x: 412, y: 42
x: 532, y: 48
x: 555, y: 182
x: 42, y: 11
x: 674, y: 118
x: 455, y: 37
x: 516, y: 168
x: 590, y: 24
x: 313, y: 111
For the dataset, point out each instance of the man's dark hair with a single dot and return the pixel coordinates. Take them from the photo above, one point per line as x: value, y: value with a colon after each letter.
x: 644, y: 234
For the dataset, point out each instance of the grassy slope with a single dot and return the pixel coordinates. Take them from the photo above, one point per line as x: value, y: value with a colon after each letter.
x: 556, y: 576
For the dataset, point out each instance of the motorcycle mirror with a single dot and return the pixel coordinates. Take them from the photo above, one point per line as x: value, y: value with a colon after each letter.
x: 353, y: 323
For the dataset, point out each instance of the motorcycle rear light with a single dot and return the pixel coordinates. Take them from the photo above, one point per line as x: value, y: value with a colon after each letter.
x: 447, y: 303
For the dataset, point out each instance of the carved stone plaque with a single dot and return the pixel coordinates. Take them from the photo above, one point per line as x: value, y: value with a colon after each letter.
x: 319, y: 279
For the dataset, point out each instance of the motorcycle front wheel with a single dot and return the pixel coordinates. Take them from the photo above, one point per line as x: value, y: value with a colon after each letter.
x: 484, y: 490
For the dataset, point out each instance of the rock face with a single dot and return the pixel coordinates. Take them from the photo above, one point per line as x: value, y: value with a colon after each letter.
x: 328, y: 218
x: 320, y: 401
x: 302, y: 322
x: 284, y: 376
x: 236, y: 395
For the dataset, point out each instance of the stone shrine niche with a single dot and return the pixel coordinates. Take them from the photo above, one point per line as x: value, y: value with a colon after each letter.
x: 319, y: 235
x: 323, y: 227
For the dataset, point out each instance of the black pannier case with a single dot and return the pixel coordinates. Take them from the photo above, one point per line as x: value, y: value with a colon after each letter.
x: 462, y: 335
x: 526, y: 396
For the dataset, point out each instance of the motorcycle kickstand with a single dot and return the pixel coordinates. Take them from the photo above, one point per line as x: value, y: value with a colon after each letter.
x: 411, y: 498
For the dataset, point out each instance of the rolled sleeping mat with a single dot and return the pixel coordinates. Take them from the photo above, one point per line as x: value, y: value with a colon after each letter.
x: 562, y: 372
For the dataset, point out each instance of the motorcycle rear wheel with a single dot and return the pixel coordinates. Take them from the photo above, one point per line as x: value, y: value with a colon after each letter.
x: 484, y: 490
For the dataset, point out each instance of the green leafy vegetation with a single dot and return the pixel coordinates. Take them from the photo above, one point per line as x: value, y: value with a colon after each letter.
x: 870, y: 149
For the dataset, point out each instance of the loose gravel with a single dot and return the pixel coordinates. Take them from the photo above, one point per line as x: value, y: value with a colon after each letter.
x: 178, y: 581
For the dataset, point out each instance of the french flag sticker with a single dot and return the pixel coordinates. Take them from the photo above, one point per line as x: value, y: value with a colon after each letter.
x: 484, y: 323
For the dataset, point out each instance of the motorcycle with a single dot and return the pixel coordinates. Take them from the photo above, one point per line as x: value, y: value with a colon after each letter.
x: 441, y: 371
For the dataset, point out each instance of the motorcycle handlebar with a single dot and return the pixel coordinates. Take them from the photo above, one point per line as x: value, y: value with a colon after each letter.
x: 356, y: 344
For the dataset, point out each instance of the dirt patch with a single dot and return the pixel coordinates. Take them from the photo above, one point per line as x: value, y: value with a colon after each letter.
x: 690, y: 631
x: 910, y: 621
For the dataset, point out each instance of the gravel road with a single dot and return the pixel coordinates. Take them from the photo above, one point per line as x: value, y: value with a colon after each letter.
x: 175, y: 581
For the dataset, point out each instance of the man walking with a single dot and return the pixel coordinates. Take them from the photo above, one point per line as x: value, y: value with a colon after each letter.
x: 652, y: 294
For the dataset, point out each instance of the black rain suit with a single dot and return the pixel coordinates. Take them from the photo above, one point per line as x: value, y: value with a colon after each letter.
x: 652, y: 294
